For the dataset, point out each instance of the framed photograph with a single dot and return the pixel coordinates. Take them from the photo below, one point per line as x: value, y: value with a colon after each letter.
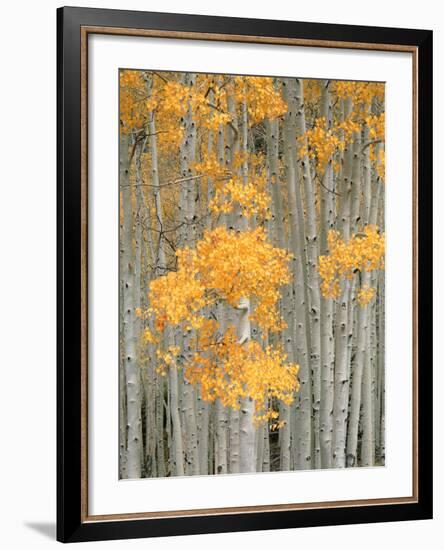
x: 244, y: 274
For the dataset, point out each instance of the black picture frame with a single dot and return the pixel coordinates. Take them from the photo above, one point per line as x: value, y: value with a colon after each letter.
x: 71, y: 523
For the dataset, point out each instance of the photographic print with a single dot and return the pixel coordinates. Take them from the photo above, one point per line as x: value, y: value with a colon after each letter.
x: 232, y: 325
x: 252, y: 302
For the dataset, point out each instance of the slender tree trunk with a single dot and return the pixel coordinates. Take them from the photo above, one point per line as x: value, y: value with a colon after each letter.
x: 187, y: 157
x: 311, y: 236
x: 366, y: 178
x: 381, y: 368
x: 161, y: 470
x: 203, y: 424
x: 234, y: 441
x: 355, y: 184
x: 221, y: 459
x: 272, y: 127
x: 246, y: 424
x: 266, y: 460
x: 343, y: 319
x: 151, y: 426
x: 356, y: 382
x: 132, y: 373
x: 367, y: 446
x: 177, y: 463
x: 341, y: 380
x: 177, y: 444
x: 327, y: 312
x: 303, y: 428
x: 122, y: 419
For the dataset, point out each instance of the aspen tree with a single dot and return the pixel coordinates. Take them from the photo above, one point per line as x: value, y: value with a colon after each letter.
x: 326, y: 331
x: 132, y: 373
x: 251, y: 280
x: 177, y: 443
x: 311, y: 237
x: 303, y: 428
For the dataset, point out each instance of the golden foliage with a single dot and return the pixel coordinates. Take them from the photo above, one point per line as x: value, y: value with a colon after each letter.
x: 365, y: 295
x: 361, y: 93
x: 363, y: 252
x: 132, y: 94
x: 321, y: 144
x: 226, y: 267
x: 231, y: 371
x: 262, y: 99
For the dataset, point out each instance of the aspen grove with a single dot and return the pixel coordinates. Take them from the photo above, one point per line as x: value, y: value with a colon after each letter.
x: 251, y: 274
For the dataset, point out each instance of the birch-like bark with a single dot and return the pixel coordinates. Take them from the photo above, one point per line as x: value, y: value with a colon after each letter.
x: 138, y: 246
x: 303, y: 428
x: 177, y: 444
x: 366, y: 176
x: 247, y: 436
x: 327, y: 304
x: 122, y: 413
x: 183, y: 435
x: 266, y: 460
x: 382, y: 426
x: 151, y: 427
x: 246, y: 425
x: 260, y: 448
x: 247, y: 461
x: 221, y: 458
x: 234, y: 441
x: 311, y: 237
x: 132, y: 373
x: 203, y: 426
x: 149, y: 373
x: 367, y: 445
x: 346, y: 173
x: 285, y: 443
x: 381, y: 368
x: 376, y: 191
x: 188, y: 198
x: 356, y: 380
x: 211, y: 441
x: 160, y: 448
x: 355, y: 184
x: 272, y: 128
x: 343, y: 321
x: 341, y: 380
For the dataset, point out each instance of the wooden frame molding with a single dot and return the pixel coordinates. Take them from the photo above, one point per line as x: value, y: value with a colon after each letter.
x: 75, y: 25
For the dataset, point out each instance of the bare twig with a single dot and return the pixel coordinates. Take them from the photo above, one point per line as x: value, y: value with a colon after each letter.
x: 373, y: 142
x: 168, y: 183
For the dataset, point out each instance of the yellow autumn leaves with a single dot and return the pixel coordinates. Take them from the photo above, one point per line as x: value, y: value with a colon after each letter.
x: 168, y: 101
x: 324, y: 140
x: 251, y: 195
x: 321, y: 144
x: 233, y: 371
x: 363, y: 252
x: 224, y: 268
x: 224, y: 265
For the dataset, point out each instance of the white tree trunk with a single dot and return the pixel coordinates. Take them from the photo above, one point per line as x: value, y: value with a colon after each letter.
x: 311, y: 237
x: 327, y: 312
x: 132, y: 373
x: 303, y: 428
x: 246, y: 421
x: 356, y: 380
x: 341, y: 380
x: 221, y: 459
x: 234, y: 441
x: 177, y: 443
